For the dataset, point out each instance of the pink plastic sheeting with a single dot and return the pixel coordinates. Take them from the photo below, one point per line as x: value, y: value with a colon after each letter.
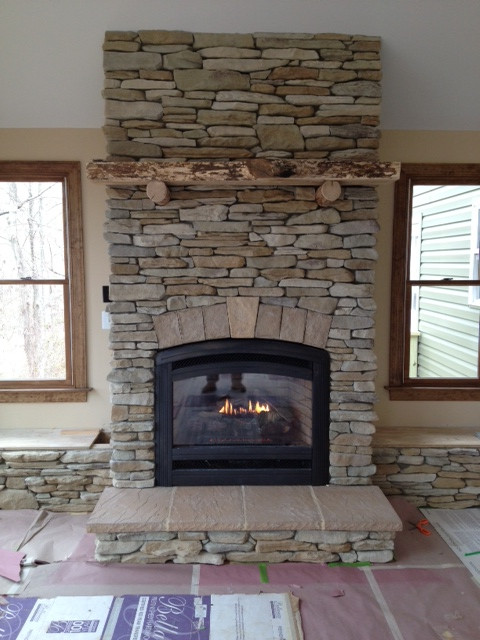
x: 14, y: 526
x: 432, y: 603
x: 10, y: 564
x: 43, y: 536
x: 427, y: 593
x: 334, y: 602
x: 413, y: 548
x: 92, y: 578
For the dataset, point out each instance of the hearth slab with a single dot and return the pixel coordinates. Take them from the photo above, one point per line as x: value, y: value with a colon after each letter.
x: 244, y: 508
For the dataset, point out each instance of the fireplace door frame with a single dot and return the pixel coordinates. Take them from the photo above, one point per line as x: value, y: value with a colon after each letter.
x: 303, y: 464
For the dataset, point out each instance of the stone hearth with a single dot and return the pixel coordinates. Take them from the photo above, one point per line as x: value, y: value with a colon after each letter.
x: 213, y: 525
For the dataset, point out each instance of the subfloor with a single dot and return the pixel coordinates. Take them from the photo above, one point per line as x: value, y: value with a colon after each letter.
x: 426, y: 593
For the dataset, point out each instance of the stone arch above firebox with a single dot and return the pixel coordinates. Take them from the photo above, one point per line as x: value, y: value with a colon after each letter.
x: 242, y: 317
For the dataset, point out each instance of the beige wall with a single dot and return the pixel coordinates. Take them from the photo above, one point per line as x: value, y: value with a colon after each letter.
x: 88, y: 144
x: 82, y: 145
x: 414, y: 146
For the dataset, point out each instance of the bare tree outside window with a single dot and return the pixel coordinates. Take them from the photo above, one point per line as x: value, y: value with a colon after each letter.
x: 41, y: 294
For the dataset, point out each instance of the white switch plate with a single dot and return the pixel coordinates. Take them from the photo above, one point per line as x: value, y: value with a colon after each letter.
x: 105, y: 320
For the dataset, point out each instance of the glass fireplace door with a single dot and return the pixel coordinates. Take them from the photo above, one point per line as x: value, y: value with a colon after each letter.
x: 242, y: 412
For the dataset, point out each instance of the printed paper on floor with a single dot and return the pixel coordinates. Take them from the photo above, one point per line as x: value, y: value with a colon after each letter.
x: 169, y: 617
x: 461, y: 531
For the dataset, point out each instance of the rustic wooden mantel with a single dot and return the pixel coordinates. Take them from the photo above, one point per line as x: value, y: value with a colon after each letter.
x: 252, y: 172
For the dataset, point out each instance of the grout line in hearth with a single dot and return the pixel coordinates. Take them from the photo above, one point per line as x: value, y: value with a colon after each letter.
x: 170, y: 507
x: 319, y: 509
x: 244, y: 508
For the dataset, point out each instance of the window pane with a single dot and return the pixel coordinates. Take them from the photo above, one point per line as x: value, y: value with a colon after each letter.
x: 441, y: 231
x: 31, y: 231
x: 32, y: 332
x: 445, y: 339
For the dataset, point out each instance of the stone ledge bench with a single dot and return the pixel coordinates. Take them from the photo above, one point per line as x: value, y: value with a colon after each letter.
x: 55, y: 469
x: 429, y: 466
x: 218, y: 524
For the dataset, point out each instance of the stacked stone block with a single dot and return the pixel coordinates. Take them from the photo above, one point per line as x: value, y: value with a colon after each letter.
x: 197, y: 95
x: 55, y: 480
x: 430, y: 476
x: 218, y: 547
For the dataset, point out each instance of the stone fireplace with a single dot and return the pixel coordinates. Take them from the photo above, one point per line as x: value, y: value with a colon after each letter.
x: 241, y: 224
x: 239, y: 132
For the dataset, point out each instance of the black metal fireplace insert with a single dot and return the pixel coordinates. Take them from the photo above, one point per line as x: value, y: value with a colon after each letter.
x: 241, y: 411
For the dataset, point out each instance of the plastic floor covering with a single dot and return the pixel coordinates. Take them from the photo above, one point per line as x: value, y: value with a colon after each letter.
x: 427, y: 593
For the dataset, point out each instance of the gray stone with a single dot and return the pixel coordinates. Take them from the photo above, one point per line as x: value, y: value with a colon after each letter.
x: 172, y: 548
x: 210, y: 80
x: 243, y: 65
x: 86, y: 456
x: 31, y: 456
x: 357, y: 89
x: 165, y: 37
x: 201, y: 558
x: 375, y: 556
x: 117, y: 547
x: 316, y: 241
x: 136, y: 292
x: 131, y: 110
x: 285, y: 137
x: 247, y: 96
x: 207, y: 40
x: 17, y: 499
x: 223, y: 547
x: 213, y: 213
x: 321, y: 305
x: 183, y: 60
x: 119, y: 61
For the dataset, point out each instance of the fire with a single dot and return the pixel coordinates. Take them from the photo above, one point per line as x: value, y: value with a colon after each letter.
x: 230, y: 410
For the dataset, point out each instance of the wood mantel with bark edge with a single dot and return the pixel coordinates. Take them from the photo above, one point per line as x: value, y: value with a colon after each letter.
x: 252, y: 172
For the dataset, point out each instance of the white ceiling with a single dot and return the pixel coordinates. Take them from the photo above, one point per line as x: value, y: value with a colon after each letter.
x: 51, y: 51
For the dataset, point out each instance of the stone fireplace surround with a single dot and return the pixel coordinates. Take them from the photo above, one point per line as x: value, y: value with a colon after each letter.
x: 233, y: 259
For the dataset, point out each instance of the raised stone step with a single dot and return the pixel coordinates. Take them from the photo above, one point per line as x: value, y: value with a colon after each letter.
x: 244, y: 524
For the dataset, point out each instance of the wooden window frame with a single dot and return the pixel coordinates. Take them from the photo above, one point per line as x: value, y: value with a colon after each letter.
x: 74, y: 387
x: 400, y: 386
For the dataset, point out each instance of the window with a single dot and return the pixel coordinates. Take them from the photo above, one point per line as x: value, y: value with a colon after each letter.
x: 435, y: 300
x: 42, y: 320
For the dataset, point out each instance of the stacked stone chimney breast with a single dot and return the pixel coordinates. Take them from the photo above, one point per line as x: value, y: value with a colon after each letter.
x: 241, y: 261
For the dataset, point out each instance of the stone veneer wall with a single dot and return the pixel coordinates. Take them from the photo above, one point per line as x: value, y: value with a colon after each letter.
x: 184, y: 96
x: 56, y: 480
x: 173, y: 94
x: 218, y: 547
x: 447, y: 478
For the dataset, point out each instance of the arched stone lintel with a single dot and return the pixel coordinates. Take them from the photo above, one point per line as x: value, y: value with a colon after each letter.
x: 242, y: 317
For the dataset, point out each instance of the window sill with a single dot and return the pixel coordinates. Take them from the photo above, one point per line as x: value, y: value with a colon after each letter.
x: 44, y: 395
x: 448, y: 394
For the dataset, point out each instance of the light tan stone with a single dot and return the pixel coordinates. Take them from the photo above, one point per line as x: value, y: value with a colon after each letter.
x: 268, y: 322
x: 172, y: 548
x: 268, y: 546
x: 191, y: 325
x: 293, y: 325
x: 317, y: 329
x: 242, y: 316
x: 168, y: 332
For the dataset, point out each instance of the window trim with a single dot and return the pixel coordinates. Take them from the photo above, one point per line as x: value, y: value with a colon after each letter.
x: 74, y: 387
x: 400, y: 386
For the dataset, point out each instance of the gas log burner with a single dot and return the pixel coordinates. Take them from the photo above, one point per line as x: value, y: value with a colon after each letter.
x: 241, y: 411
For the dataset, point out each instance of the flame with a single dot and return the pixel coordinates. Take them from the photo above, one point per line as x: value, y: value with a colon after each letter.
x: 228, y: 409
